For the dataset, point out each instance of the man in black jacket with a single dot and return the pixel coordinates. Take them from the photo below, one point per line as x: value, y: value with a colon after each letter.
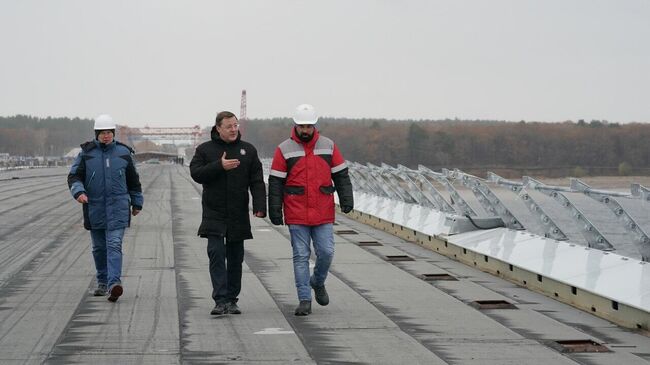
x: 227, y: 167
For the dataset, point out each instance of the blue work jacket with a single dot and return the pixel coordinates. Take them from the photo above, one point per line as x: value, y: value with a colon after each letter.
x: 107, y: 175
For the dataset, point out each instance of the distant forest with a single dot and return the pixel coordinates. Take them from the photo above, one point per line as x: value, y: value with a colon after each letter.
x: 511, y: 149
x: 507, y: 148
x: 23, y: 135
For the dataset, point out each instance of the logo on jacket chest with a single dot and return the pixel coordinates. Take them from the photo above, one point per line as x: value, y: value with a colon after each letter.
x: 242, y: 152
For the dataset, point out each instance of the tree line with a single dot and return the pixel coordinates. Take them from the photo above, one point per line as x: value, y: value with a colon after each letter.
x: 507, y: 148
x: 476, y: 146
x: 23, y: 135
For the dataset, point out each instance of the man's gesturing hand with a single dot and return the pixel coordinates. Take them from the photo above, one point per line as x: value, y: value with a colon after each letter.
x: 228, y: 164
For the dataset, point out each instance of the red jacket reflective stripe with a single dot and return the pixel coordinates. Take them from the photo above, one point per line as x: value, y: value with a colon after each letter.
x: 308, y: 189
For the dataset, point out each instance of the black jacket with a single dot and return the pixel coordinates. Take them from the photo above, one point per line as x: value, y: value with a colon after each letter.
x: 225, y: 193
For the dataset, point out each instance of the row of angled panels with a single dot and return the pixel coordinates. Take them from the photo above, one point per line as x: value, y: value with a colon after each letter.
x: 613, y: 230
x: 606, y: 274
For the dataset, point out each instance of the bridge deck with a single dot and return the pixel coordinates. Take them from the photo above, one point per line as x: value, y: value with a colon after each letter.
x: 380, y: 311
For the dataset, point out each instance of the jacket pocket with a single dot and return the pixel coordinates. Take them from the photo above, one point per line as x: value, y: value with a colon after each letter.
x: 294, y: 190
x: 118, y: 182
x: 327, y: 189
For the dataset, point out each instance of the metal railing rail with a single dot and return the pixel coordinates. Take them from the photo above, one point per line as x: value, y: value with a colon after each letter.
x: 385, y: 183
x: 457, y: 202
x: 592, y: 235
x: 414, y: 190
x: 393, y: 177
x: 378, y: 182
x: 487, y: 198
x: 431, y: 195
x: 608, y: 198
x: 551, y: 229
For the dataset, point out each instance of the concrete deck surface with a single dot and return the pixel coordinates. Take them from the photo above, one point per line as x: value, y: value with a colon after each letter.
x: 381, y: 312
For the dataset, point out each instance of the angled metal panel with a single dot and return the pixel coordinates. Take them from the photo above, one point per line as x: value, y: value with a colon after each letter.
x: 488, y: 199
x: 385, y: 185
x: 391, y: 174
x: 551, y: 229
x: 458, y: 203
x: 607, y: 198
x: 414, y: 190
x: 593, y: 236
x: 360, y: 182
x: 429, y: 192
x: 363, y: 173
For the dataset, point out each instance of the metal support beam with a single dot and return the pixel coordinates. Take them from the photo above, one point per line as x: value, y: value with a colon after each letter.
x: 359, y: 181
x: 414, y: 189
x: 385, y: 185
x: 457, y: 202
x: 551, y: 229
x: 488, y: 199
x: 398, y: 183
x: 608, y: 199
x: 431, y: 195
x: 366, y: 182
x: 591, y: 234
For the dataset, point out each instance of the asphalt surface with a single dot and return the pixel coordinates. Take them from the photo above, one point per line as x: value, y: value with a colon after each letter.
x: 380, y: 312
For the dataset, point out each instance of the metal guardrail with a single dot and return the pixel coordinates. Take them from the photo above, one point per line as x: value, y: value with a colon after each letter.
x: 552, y: 230
x: 420, y: 187
x: 610, y: 285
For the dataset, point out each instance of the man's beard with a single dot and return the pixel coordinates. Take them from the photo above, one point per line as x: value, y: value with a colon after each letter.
x: 305, y: 137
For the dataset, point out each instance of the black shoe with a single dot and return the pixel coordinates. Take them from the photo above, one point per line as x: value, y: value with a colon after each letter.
x: 304, y: 308
x: 232, y: 308
x: 219, y: 309
x: 115, y: 292
x: 100, y: 291
x: 321, y: 295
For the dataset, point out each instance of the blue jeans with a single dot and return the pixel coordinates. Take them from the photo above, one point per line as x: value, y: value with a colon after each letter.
x: 107, y: 253
x: 301, y: 238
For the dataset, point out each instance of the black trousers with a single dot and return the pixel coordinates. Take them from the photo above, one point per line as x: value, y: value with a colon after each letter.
x: 225, y: 268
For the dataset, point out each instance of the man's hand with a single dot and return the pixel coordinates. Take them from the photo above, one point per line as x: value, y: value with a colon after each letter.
x: 259, y: 214
x: 135, y: 211
x: 83, y: 199
x: 277, y: 221
x: 228, y: 164
x: 346, y: 209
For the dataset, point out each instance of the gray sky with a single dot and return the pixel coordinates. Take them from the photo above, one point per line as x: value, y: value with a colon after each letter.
x: 176, y: 63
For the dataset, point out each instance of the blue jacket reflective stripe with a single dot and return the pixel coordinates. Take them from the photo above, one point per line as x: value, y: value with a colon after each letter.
x: 107, y: 175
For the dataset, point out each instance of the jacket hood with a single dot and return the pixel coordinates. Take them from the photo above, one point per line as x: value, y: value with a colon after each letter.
x: 214, y: 135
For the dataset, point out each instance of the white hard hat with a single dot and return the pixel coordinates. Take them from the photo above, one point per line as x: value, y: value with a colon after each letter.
x: 103, y: 122
x: 305, y: 114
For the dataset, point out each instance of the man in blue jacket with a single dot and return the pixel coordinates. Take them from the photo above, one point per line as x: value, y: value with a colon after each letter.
x: 104, y: 180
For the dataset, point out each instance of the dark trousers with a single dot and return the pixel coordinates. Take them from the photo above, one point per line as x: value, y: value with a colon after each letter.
x: 225, y: 268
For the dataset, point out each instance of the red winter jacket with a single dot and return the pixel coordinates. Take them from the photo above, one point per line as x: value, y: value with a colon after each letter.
x: 301, y: 181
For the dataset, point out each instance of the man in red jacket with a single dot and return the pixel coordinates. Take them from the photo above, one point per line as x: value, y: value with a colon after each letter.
x: 300, y: 181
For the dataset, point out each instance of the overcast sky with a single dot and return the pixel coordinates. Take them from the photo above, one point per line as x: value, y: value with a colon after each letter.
x: 176, y: 63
